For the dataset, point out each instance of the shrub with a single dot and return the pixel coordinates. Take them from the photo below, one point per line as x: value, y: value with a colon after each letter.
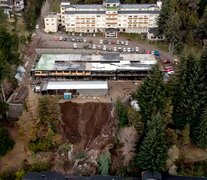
x: 40, y: 166
x: 40, y: 145
x: 81, y: 155
x: 6, y: 142
x: 104, y: 161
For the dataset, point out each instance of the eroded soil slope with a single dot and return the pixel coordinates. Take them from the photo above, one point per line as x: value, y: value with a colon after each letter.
x: 83, y: 122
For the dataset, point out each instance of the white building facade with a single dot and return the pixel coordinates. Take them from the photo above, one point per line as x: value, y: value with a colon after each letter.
x: 52, y: 22
x: 110, y: 17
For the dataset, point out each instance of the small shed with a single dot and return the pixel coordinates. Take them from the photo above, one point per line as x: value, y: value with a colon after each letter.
x: 84, y: 88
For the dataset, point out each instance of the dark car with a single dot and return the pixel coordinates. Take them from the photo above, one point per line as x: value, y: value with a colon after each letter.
x: 143, y: 51
x: 105, y: 42
x: 81, y: 40
x: 90, y: 41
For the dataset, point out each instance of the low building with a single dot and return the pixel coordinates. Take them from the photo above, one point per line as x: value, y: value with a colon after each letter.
x: 84, y: 66
x: 52, y: 22
x: 152, y: 35
x: 84, y: 88
x: 9, y: 5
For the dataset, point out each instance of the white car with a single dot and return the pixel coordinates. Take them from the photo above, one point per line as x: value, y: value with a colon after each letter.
x: 94, y: 35
x: 73, y: 34
x: 75, y: 46
x: 126, y: 43
x: 117, y: 42
x: 115, y: 49
x: 101, y: 41
x: 94, y: 46
x: 104, y: 48
x: 136, y: 49
x: 153, y: 52
x: 60, y: 38
x: 37, y: 26
x: 128, y: 50
x: 84, y: 40
x: 124, y: 50
x: 122, y: 42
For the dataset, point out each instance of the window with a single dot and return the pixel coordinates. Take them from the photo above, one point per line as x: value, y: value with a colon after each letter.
x: 98, y: 16
x: 52, y: 19
x: 119, y: 24
x: 114, y: 4
x: 53, y: 24
x: 47, y: 24
x: 47, y: 19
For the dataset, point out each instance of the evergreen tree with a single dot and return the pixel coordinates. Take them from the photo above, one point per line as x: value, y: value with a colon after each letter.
x: 153, y: 150
x: 151, y: 94
x: 202, y: 26
x: 189, y: 89
x: 201, y: 140
x: 121, y: 111
x: 166, y: 12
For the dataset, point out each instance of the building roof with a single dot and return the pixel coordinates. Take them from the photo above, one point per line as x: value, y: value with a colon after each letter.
x: 138, y: 6
x: 85, y: 12
x: 84, y: 62
x: 111, y: 1
x: 52, y: 15
x: 79, y: 85
x: 139, y: 12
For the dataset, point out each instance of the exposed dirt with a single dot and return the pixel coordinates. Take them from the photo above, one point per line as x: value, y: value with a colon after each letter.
x: 83, y: 122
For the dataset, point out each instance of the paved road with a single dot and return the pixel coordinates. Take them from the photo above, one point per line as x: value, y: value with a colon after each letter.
x: 52, y: 41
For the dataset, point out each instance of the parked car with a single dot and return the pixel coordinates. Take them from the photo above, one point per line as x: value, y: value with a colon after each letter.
x: 126, y: 43
x: 91, y: 41
x: 84, y: 40
x: 94, y: 35
x: 124, y: 50
x: 101, y: 41
x: 152, y: 52
x: 113, y: 42
x: 110, y: 49
x: 94, y: 46
x: 132, y: 50
x: 60, y: 38
x: 99, y: 47
x: 73, y: 34
x: 65, y: 39
x: 143, y: 51
x: 109, y: 42
x: 81, y: 40
x: 122, y: 42
x: 89, y: 46
x: 77, y: 40
x: 137, y: 49
x: 104, y: 48
x: 105, y: 42
x: 75, y: 46
x: 128, y: 50
x: 37, y: 26
x: 119, y: 49
x: 117, y: 42
x: 80, y: 34
x: 148, y: 52
x: 115, y: 49
x: 73, y: 39
x: 157, y: 53
x: 166, y: 61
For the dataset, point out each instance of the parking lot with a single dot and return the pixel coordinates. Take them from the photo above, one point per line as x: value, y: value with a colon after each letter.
x: 93, y: 42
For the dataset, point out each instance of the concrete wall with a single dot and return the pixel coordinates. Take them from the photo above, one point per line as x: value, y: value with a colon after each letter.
x: 94, y: 92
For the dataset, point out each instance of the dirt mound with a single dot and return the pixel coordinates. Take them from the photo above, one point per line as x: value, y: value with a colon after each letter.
x: 83, y: 122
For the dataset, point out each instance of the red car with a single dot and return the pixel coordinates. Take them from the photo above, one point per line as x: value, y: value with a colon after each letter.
x: 166, y: 61
x: 169, y: 69
x: 148, y: 52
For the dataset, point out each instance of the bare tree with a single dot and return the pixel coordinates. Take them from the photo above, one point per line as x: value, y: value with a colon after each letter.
x: 28, y: 122
x: 128, y: 137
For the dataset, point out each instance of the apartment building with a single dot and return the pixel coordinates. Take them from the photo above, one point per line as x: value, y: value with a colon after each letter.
x: 9, y: 5
x: 110, y: 17
x: 51, y: 22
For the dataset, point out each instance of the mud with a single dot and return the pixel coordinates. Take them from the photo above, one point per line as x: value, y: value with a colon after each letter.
x: 83, y: 122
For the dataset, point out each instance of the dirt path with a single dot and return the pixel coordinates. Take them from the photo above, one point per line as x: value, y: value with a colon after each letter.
x: 13, y: 160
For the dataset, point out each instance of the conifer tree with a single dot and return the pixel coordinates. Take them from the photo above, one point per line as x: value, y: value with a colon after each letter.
x: 151, y: 94
x: 202, y: 131
x: 153, y: 150
x: 202, y: 26
x: 189, y: 89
